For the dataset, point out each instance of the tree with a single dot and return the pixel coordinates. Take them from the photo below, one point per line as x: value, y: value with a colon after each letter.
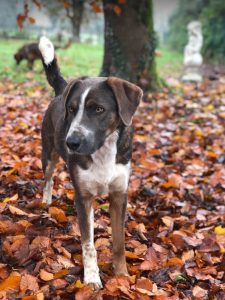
x: 130, y: 42
x: 74, y: 10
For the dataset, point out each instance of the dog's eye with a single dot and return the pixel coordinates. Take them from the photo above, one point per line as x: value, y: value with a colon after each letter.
x: 99, y: 109
x: 71, y: 109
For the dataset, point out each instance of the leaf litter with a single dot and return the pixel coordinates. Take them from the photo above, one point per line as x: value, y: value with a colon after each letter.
x: 175, y: 226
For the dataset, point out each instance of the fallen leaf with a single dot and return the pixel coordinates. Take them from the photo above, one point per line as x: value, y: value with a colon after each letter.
x: 46, y: 276
x: 58, y: 214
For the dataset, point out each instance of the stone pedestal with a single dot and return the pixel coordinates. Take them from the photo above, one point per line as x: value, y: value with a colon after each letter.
x: 192, y: 56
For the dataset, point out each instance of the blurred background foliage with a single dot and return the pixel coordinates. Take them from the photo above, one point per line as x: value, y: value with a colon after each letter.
x: 212, y: 15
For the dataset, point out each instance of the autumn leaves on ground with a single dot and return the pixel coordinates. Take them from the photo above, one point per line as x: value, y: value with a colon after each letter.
x: 175, y: 240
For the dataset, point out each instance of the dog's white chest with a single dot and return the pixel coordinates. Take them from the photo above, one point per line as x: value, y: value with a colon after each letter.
x: 105, y: 175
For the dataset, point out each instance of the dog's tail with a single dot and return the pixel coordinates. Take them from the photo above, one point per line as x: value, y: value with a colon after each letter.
x: 51, y: 67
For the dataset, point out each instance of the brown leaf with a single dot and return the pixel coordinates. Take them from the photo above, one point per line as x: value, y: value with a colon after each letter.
x: 65, y: 262
x: 46, y: 276
x: 59, y: 283
x: 96, y: 8
x: 28, y: 282
x: 199, y: 293
x: 117, y: 9
x: 20, y: 20
x: 84, y: 293
x: 16, y: 211
x: 31, y: 20
x: 58, y: 214
x: 151, y: 261
x: 144, y: 286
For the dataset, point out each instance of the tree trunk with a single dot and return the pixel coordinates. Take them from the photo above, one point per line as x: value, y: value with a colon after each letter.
x: 76, y: 18
x: 130, y: 42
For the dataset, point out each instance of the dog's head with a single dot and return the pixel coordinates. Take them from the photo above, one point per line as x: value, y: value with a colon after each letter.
x: 18, y: 57
x: 94, y: 108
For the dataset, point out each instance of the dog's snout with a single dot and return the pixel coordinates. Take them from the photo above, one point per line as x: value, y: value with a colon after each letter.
x: 74, y: 142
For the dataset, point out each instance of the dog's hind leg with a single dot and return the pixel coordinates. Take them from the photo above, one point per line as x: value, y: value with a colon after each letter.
x: 48, y: 163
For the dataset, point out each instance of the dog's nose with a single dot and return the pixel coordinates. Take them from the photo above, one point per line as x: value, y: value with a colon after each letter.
x: 73, y: 142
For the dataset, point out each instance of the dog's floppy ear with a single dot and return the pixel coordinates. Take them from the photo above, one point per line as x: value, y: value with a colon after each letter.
x: 67, y: 91
x: 128, y: 97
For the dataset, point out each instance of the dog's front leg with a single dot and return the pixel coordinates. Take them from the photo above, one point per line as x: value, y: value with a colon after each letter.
x: 118, y: 205
x: 85, y: 215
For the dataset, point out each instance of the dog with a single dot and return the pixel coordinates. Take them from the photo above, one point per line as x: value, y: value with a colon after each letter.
x: 31, y: 52
x: 88, y: 124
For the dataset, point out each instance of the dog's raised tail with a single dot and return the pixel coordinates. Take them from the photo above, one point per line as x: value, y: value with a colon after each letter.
x: 51, y: 67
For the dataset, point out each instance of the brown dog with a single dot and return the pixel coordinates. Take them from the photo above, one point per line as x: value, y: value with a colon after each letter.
x: 88, y: 124
x: 31, y: 52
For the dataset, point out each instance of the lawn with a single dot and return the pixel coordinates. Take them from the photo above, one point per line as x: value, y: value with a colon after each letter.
x: 79, y: 59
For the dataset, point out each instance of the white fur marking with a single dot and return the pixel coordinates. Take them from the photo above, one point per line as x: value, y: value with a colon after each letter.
x: 91, y: 270
x: 77, y: 119
x: 47, y: 192
x: 47, y: 50
x: 104, y: 175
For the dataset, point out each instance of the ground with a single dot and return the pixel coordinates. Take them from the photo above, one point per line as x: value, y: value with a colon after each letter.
x: 175, y: 239
x: 77, y: 60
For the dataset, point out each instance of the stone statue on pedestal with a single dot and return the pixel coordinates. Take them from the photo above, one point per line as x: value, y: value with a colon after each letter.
x: 192, y: 56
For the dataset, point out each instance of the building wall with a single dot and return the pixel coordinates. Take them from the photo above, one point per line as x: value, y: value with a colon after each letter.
x: 163, y: 10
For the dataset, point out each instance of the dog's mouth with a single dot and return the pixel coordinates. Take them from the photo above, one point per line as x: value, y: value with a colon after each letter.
x: 80, y: 150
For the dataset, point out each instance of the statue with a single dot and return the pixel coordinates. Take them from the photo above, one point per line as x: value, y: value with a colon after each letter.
x: 192, y: 56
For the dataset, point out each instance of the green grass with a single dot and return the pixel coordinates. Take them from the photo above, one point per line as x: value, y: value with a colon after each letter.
x: 169, y: 63
x: 78, y: 60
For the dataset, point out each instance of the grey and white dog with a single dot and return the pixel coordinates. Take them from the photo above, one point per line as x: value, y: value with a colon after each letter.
x: 88, y: 124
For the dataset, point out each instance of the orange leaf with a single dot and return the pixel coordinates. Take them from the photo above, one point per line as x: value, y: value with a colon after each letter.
x: 174, y: 261
x: 151, y: 165
x: 131, y: 255
x: 96, y: 7
x: 30, y: 298
x: 66, y: 4
x: 61, y: 273
x: 117, y: 9
x: 58, y: 214
x: 12, y: 282
x: 20, y: 20
x: 174, y: 181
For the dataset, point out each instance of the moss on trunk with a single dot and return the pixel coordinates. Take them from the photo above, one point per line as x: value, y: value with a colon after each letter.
x: 130, y: 43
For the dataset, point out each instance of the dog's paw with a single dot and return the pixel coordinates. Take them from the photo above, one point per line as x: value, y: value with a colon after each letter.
x: 93, y: 279
x: 47, y: 50
x: 47, y: 200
